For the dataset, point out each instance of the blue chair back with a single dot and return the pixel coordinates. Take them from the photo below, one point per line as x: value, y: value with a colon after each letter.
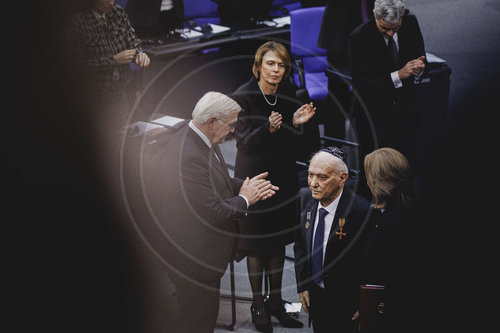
x: 304, y: 31
x: 201, y: 12
x: 287, y: 5
x: 122, y: 3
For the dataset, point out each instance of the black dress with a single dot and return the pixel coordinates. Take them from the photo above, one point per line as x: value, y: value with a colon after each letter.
x: 270, y: 223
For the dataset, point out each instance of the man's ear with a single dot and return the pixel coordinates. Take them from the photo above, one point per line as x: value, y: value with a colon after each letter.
x: 343, y: 177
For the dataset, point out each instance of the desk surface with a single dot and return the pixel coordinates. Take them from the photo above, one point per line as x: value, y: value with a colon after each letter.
x: 211, y: 40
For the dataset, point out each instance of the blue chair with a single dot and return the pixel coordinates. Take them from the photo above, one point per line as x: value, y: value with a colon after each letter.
x: 311, y: 61
x: 122, y: 3
x: 284, y: 7
x: 199, y: 12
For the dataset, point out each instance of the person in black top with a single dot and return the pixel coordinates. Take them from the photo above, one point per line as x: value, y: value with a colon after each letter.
x: 387, y: 254
x: 271, y: 133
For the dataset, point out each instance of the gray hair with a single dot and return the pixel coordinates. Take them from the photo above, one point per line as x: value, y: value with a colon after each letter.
x: 214, y: 104
x: 391, y: 11
x: 336, y: 163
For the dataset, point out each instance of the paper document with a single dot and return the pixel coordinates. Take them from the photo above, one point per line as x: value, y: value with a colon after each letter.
x: 432, y: 58
x: 189, y: 33
x: 215, y: 28
x: 141, y: 127
x: 167, y: 121
x: 282, y: 21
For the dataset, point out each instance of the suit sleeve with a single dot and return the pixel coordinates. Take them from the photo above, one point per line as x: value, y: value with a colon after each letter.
x: 362, y: 62
x: 202, y: 196
x: 300, y: 250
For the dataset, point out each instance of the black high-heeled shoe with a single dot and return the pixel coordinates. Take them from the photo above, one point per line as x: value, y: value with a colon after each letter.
x: 279, y: 312
x: 261, y: 319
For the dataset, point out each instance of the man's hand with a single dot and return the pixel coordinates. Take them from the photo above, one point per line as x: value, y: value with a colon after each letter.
x: 413, y: 67
x: 257, y: 188
x: 305, y: 300
x: 125, y: 57
x: 142, y: 59
x: 303, y: 114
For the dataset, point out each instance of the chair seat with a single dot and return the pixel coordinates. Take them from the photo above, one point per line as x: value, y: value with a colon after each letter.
x: 316, y: 84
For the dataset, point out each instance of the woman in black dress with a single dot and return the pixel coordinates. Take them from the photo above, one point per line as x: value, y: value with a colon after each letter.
x: 271, y: 135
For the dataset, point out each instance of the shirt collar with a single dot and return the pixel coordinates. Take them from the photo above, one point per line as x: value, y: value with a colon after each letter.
x: 395, y: 37
x: 332, y: 208
x: 200, y: 133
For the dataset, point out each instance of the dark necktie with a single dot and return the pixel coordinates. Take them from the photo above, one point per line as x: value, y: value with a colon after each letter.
x: 394, y: 52
x: 317, y: 257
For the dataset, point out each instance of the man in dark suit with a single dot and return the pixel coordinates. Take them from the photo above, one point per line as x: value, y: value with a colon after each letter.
x: 155, y: 18
x: 328, y: 247
x: 386, y: 54
x: 197, y: 206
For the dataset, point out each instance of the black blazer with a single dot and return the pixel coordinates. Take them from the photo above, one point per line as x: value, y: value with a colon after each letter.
x: 196, y: 205
x: 341, y: 269
x: 147, y: 12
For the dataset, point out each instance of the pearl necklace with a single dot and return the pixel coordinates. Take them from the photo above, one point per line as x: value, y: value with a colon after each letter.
x: 275, y: 99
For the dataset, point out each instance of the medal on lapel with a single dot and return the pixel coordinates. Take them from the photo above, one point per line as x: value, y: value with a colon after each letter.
x: 308, y: 219
x: 341, y: 226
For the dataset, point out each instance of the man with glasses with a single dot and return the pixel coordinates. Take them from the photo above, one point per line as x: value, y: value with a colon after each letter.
x: 197, y: 206
x: 386, y: 55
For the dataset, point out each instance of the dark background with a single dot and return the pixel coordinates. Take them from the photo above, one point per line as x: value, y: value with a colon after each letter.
x: 72, y: 260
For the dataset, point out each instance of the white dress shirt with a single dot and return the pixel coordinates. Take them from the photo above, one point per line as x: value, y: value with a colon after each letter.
x: 331, y: 209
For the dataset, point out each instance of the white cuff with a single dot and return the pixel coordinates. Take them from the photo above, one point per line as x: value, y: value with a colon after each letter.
x: 396, y: 80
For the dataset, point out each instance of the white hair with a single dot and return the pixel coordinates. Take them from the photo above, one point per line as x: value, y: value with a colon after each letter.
x: 214, y: 104
x: 333, y: 161
x: 391, y: 11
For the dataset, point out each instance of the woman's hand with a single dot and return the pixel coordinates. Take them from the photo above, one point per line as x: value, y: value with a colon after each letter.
x: 303, y: 114
x: 142, y: 60
x: 275, y: 121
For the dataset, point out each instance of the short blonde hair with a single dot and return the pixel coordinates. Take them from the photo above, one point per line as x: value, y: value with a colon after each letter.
x: 389, y: 176
x: 279, y: 50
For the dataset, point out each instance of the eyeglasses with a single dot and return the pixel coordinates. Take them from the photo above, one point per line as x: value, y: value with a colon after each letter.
x: 231, y: 126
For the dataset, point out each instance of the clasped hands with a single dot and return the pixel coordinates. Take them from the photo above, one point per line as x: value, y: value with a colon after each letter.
x: 413, y: 67
x: 301, y: 116
x: 127, y: 56
x: 257, y: 188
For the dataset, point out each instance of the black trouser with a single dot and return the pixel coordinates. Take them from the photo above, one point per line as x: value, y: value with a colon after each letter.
x: 332, y: 311
x: 198, y: 304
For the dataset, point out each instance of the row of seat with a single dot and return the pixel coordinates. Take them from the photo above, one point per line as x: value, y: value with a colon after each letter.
x: 310, y: 60
x: 206, y: 11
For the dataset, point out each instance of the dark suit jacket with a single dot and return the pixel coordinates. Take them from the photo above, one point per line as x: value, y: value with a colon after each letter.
x: 147, y: 12
x: 391, y: 110
x: 196, y: 204
x: 341, y: 274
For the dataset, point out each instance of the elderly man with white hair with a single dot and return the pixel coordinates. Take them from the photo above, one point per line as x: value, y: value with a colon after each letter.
x: 328, y: 244
x: 197, y: 206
